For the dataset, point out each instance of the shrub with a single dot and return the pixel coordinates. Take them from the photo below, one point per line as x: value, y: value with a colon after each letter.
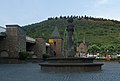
x: 45, y: 56
x: 23, y: 55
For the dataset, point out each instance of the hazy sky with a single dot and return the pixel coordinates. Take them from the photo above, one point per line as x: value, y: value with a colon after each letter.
x: 25, y: 12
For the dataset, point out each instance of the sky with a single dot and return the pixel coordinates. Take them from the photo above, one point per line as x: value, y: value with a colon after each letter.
x: 24, y: 12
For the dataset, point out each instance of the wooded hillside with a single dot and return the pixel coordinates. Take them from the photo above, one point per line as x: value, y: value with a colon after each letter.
x: 94, y: 30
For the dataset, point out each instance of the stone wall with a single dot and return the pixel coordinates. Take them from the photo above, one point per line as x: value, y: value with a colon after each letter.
x: 4, y: 48
x: 15, y: 41
x: 39, y: 47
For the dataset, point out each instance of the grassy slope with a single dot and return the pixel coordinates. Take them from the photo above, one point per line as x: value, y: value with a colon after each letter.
x: 94, y: 31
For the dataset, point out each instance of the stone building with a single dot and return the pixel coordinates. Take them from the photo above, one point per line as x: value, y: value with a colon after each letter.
x: 35, y: 47
x: 82, y: 49
x: 39, y: 47
x: 56, y: 43
x: 14, y: 40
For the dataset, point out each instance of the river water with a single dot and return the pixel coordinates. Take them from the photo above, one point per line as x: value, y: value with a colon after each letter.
x: 31, y: 72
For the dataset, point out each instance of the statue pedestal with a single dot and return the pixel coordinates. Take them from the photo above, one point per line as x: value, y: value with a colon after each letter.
x: 70, y: 65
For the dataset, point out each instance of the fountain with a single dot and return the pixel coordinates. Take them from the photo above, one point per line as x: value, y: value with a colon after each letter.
x: 70, y: 63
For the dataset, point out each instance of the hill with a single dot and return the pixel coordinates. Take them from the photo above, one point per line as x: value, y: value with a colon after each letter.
x: 94, y: 30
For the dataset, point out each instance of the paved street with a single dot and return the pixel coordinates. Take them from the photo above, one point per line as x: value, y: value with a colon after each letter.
x: 32, y: 72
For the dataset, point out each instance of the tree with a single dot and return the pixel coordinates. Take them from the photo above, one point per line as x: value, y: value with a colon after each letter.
x: 93, y: 49
x: 70, y: 20
x: 65, y: 17
x: 61, y: 17
x: 110, y: 50
x: 50, y: 18
x: 56, y: 18
x: 118, y: 48
x: 103, y: 51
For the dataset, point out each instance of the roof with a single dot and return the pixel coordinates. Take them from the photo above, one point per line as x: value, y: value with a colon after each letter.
x: 55, y: 34
x: 85, y: 43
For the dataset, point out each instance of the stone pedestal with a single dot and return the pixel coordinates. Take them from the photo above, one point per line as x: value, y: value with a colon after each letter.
x: 70, y: 65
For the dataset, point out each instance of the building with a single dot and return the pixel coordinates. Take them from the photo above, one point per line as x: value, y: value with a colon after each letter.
x: 14, y: 40
x: 56, y: 43
x: 82, y: 49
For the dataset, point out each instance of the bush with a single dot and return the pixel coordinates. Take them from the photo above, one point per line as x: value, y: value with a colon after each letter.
x: 45, y: 56
x: 100, y: 58
x: 118, y: 57
x: 23, y: 55
x: 115, y: 58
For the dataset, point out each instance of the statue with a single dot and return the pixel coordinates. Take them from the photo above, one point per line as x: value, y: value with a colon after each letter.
x: 70, y: 38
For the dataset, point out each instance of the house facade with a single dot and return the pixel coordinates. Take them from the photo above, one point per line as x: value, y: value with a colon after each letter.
x: 82, y: 49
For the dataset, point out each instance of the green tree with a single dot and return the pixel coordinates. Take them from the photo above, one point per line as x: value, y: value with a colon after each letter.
x: 111, y: 50
x: 93, y: 49
x: 118, y: 48
x: 103, y: 51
